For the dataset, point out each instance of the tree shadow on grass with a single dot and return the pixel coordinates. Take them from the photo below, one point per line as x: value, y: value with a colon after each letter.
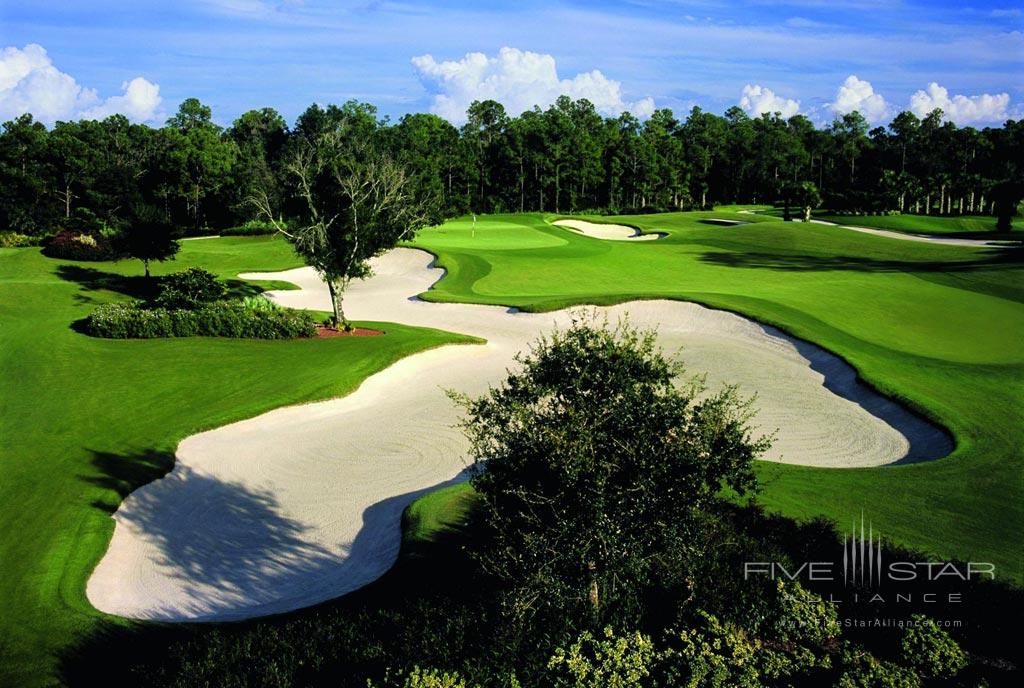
x: 227, y: 551
x: 223, y: 542
x: 990, y: 259
x: 134, y: 286
x: 124, y: 473
x: 93, y: 280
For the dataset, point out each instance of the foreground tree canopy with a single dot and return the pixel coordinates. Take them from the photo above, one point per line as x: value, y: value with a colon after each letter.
x: 565, y: 158
x: 595, y: 473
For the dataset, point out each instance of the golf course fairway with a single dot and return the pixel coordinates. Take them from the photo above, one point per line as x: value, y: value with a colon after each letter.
x: 83, y: 425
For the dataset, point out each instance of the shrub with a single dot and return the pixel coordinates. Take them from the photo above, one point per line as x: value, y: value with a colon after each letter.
x: 608, y: 662
x: 189, y: 289
x: 422, y: 678
x: 260, y: 304
x: 250, y: 228
x: 863, y: 670
x: 931, y: 651
x: 70, y: 245
x: 15, y: 240
x: 132, y: 321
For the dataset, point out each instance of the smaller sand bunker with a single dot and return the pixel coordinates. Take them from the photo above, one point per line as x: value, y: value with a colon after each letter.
x: 597, y: 230
x: 722, y: 222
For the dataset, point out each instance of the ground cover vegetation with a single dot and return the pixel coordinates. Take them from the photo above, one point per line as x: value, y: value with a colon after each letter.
x: 192, y: 303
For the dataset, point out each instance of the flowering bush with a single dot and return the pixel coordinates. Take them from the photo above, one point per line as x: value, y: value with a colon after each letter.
x: 15, y: 240
x: 222, y: 319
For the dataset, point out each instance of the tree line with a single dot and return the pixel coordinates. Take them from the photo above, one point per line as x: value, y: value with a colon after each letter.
x: 87, y: 175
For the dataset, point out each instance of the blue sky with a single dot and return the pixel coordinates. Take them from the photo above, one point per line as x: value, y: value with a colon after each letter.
x: 240, y: 54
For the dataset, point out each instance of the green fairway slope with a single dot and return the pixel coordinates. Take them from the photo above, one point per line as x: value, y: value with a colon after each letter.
x: 938, y: 327
x: 84, y: 421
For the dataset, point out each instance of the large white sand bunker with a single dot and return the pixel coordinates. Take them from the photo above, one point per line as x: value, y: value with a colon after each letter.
x: 599, y: 230
x: 303, y: 504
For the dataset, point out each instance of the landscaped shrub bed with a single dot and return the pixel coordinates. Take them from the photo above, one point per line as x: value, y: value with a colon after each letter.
x: 250, y: 228
x: 15, y: 240
x: 71, y: 245
x: 221, y: 319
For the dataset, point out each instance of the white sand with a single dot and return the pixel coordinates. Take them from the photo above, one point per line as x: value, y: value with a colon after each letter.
x: 303, y: 504
x: 907, y: 236
x: 924, y: 238
x: 598, y: 230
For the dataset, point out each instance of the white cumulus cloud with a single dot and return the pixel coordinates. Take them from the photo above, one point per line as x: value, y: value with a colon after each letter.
x: 858, y: 94
x: 757, y: 100
x: 139, y: 103
x: 518, y: 79
x: 961, y: 109
x: 29, y: 82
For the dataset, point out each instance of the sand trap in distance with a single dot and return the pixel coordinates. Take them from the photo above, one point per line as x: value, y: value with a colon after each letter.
x: 598, y: 230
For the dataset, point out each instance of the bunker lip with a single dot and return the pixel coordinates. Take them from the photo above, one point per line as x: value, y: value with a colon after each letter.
x: 608, y: 232
x: 303, y: 504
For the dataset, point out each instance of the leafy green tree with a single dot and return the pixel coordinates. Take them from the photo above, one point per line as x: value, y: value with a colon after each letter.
x: 806, y: 196
x: 428, y: 147
x: 73, y: 160
x: 484, y: 132
x: 259, y: 137
x: 351, y: 203
x: 850, y: 132
x: 24, y: 183
x: 192, y: 114
x: 148, y: 235
x: 593, y: 471
x: 207, y: 157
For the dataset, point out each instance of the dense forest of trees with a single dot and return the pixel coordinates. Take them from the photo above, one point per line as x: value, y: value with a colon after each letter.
x: 89, y: 175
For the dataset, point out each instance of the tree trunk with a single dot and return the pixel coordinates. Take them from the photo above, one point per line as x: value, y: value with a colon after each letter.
x: 145, y: 263
x: 593, y: 593
x: 807, y: 213
x: 337, y: 294
x: 67, y: 200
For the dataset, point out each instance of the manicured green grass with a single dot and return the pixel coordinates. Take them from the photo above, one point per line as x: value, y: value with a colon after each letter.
x: 965, y: 225
x: 938, y: 327
x: 435, y: 514
x: 84, y: 421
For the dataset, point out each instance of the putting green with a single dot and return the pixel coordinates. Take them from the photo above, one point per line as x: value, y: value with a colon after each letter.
x: 938, y: 327
x: 84, y: 421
